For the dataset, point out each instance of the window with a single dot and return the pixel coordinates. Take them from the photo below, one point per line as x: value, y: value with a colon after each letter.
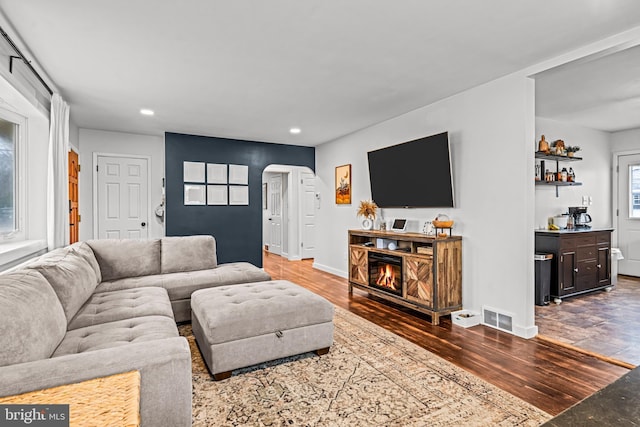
x: 8, y: 171
x: 634, y: 191
x: 11, y: 127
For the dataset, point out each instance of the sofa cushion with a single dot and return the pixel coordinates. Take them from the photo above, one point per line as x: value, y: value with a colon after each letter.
x: 86, y: 252
x: 181, y: 285
x: 119, y: 258
x: 125, y: 304
x: 32, y: 321
x: 115, y: 334
x: 70, y: 276
x: 130, y: 283
x: 188, y: 253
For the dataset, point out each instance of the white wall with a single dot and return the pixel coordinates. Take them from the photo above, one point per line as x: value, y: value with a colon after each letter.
x: 594, y: 172
x: 98, y: 141
x: 490, y: 129
x: 74, y: 136
x: 627, y: 140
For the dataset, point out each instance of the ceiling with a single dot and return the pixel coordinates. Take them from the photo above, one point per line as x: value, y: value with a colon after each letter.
x: 251, y: 69
x: 601, y: 93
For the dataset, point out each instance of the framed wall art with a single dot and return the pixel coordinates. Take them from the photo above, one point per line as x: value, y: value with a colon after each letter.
x: 216, y: 173
x: 193, y: 171
x: 343, y: 185
x: 194, y: 194
x: 217, y: 195
x: 238, y: 195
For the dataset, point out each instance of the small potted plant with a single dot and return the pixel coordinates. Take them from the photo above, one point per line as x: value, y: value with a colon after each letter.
x: 572, y: 149
x: 367, y: 210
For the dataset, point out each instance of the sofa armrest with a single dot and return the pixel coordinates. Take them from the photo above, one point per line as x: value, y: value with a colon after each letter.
x: 165, y: 376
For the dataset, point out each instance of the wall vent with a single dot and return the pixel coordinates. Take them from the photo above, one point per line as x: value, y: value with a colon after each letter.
x: 496, y: 319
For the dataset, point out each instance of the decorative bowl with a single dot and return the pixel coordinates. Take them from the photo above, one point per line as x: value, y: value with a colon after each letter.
x: 443, y: 224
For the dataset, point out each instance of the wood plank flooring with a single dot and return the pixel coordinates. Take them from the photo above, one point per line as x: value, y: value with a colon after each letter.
x: 606, y: 323
x: 545, y: 374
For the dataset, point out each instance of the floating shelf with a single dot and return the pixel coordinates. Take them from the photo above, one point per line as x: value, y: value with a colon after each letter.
x: 555, y: 158
x: 558, y: 183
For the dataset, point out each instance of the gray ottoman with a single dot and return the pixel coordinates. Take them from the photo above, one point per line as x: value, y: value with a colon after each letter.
x: 242, y: 325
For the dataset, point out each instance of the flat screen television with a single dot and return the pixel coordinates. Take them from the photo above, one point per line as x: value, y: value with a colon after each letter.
x: 414, y: 174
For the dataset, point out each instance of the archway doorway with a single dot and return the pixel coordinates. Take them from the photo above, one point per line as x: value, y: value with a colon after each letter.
x: 288, y: 206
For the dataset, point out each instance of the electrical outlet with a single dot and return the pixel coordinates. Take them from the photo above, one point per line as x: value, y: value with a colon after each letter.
x: 590, y: 200
x: 585, y: 200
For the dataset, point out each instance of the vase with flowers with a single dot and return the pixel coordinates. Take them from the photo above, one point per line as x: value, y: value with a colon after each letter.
x: 367, y: 210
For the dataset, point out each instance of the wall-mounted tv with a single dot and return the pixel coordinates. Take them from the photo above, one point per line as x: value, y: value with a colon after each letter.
x: 414, y: 174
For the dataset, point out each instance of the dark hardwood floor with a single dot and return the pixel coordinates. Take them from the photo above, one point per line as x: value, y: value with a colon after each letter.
x: 545, y: 374
x: 603, y: 323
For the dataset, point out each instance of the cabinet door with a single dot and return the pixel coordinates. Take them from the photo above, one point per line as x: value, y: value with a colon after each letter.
x: 418, y: 277
x: 567, y: 272
x: 587, y: 275
x: 358, y: 265
x: 604, y: 265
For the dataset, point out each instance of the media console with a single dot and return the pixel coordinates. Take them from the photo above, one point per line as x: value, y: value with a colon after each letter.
x: 424, y: 273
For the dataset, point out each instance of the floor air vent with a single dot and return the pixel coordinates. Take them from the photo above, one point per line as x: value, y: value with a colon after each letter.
x: 495, y: 319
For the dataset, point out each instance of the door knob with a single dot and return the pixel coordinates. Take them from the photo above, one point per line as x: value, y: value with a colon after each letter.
x: 144, y: 224
x: 575, y: 269
x: 599, y: 265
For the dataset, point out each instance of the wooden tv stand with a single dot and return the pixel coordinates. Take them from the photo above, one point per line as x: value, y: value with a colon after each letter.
x: 431, y: 269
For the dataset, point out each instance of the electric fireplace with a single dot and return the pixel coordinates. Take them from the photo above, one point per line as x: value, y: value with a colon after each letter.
x: 385, y: 272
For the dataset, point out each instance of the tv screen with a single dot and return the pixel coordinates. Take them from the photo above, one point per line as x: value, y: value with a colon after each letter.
x: 415, y: 174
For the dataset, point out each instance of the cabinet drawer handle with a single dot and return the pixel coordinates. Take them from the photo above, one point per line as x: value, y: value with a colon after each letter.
x: 575, y: 269
x: 599, y: 265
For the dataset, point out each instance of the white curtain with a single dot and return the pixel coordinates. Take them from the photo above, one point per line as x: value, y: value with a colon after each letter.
x: 58, y: 180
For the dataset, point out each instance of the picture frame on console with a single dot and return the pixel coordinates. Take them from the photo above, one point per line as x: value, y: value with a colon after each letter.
x: 343, y: 185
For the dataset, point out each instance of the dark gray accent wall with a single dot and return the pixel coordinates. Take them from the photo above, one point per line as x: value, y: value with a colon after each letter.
x: 237, y: 229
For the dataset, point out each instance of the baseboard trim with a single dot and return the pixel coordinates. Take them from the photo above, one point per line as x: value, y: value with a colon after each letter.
x: 331, y: 270
x: 527, y: 333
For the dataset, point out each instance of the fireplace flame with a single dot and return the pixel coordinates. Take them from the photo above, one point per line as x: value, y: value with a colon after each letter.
x: 387, y: 277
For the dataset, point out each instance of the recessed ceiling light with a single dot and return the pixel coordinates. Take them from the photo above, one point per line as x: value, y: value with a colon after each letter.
x: 295, y: 131
x: 146, y: 112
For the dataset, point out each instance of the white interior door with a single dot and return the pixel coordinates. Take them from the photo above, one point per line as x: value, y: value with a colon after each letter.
x: 308, y: 215
x: 122, y: 198
x: 275, y: 214
x: 629, y: 214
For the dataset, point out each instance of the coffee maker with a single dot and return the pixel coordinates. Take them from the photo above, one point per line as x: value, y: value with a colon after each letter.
x: 581, y: 218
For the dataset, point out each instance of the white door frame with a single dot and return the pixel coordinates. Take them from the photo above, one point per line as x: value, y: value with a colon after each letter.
x: 615, y: 159
x: 95, y: 184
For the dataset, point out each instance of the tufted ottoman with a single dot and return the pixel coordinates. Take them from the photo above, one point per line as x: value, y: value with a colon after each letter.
x: 241, y: 325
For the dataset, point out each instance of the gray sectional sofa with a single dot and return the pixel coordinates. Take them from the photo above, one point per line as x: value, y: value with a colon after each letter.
x: 103, y: 307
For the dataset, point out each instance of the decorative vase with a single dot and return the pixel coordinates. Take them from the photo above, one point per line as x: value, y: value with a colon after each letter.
x: 367, y: 224
x: 570, y: 153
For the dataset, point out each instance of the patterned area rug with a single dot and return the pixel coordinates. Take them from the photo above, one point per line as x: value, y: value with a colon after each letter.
x: 371, y: 377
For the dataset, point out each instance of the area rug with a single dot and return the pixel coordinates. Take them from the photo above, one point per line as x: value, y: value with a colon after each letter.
x: 371, y: 377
